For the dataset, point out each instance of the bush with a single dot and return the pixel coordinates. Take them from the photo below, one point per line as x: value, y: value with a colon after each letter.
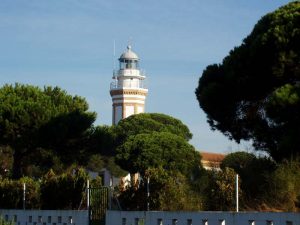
x: 66, y: 191
x: 254, y: 172
x: 32, y: 192
x: 169, y: 191
x: 6, y: 161
x: 11, y: 193
x: 284, y: 191
x: 221, y: 191
x: 4, y: 222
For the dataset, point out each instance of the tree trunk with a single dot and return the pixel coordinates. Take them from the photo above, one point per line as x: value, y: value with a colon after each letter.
x: 17, y: 165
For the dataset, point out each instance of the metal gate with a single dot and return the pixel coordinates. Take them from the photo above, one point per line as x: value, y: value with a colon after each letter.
x: 98, y: 204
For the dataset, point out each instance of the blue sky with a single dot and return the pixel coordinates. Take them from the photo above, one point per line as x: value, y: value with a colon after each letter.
x: 69, y: 43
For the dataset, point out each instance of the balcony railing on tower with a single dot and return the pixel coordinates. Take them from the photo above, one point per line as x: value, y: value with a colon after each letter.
x: 128, y: 84
x: 129, y: 72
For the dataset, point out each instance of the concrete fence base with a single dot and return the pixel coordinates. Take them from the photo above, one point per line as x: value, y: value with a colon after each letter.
x: 72, y: 217
x: 200, y: 218
x: 46, y: 217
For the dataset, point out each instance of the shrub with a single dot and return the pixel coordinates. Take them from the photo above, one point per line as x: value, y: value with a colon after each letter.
x: 65, y: 191
x: 11, y: 193
x: 284, y: 191
x: 4, y: 222
x: 221, y: 190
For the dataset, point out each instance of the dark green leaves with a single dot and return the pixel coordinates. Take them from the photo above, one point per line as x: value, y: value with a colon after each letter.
x: 254, y: 93
x: 157, y: 149
x: 32, y: 118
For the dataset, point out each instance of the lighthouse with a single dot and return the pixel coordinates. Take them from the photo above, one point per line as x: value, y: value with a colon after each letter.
x: 128, y: 89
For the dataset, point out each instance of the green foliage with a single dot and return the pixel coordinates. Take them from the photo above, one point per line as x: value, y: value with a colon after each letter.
x: 102, y: 140
x: 169, y: 190
x: 11, y: 193
x: 266, y: 185
x: 255, y: 180
x: 284, y: 190
x: 95, y: 163
x: 31, y: 119
x: 32, y: 192
x: 40, y: 160
x: 152, y: 140
x: 254, y: 93
x: 149, y: 122
x: 98, y: 162
x: 4, y: 222
x: 114, y: 168
x: 6, y: 161
x: 237, y: 161
x: 172, y: 191
x: 157, y: 149
x: 155, y: 146
x: 221, y: 191
x: 96, y: 183
x: 66, y: 134
x: 255, y: 174
x: 201, y: 185
x: 65, y: 191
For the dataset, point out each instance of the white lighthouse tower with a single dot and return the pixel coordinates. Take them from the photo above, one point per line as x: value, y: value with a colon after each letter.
x: 128, y: 90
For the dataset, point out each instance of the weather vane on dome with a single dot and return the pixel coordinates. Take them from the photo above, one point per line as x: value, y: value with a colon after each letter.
x: 129, y: 43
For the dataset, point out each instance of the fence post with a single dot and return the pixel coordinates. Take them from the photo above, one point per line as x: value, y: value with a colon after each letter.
x: 88, y: 194
x: 237, y: 192
x: 24, y: 196
x: 148, y: 193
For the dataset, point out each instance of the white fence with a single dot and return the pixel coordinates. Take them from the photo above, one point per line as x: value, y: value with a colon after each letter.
x: 46, y: 217
x: 72, y: 217
x: 200, y: 218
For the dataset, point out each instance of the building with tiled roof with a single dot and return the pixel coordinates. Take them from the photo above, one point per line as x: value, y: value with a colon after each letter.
x: 211, y: 160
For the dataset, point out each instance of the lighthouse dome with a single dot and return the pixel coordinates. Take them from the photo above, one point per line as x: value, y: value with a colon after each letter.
x: 129, y: 54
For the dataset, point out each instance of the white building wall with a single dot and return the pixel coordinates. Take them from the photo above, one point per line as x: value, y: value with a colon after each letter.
x: 130, y: 83
x: 200, y: 218
x: 46, y: 217
x: 129, y: 110
x: 118, y: 114
x: 140, y: 109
